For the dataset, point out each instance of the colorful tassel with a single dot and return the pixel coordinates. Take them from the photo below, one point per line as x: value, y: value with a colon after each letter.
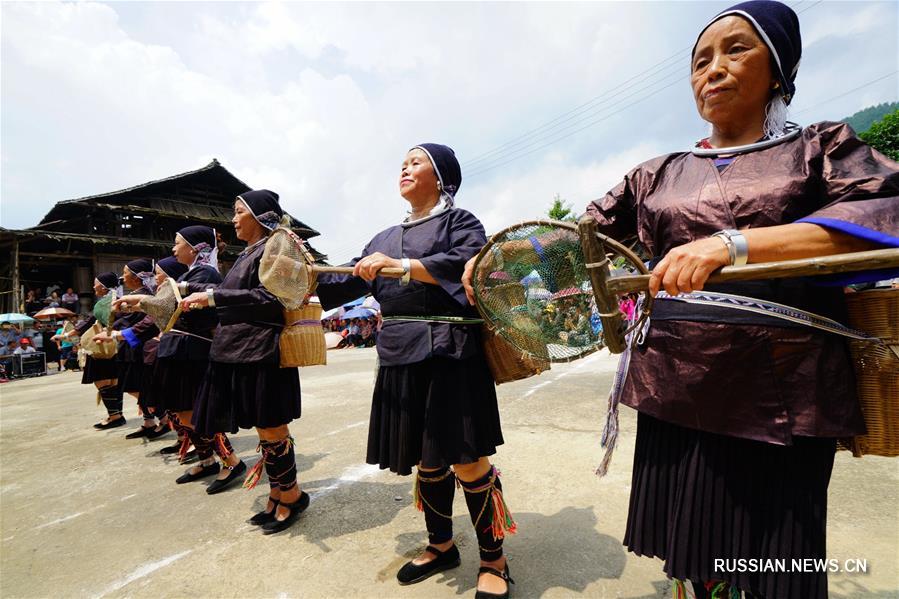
x: 502, y: 521
x: 254, y: 475
x: 99, y: 397
x: 679, y: 591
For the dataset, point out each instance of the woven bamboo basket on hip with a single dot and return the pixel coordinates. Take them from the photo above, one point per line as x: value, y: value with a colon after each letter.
x: 509, y: 363
x: 303, y: 339
x: 876, y: 312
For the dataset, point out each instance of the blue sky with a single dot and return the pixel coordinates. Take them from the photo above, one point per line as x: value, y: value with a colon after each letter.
x: 319, y: 102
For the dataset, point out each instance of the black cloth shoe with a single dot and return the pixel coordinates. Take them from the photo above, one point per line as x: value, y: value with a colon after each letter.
x: 210, y: 470
x: 264, y: 517
x: 143, y: 431
x: 171, y: 449
x: 111, y: 424
x: 155, y: 434
x: 504, y: 575
x: 296, y: 508
x: 220, y: 484
x: 445, y: 560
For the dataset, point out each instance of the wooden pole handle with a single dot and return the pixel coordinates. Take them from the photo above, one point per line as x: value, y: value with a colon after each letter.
x: 348, y: 270
x: 822, y: 265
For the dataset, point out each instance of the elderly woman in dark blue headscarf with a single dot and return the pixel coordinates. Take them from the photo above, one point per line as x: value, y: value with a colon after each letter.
x: 156, y: 424
x: 102, y: 373
x: 244, y: 386
x: 739, y: 411
x: 434, y: 406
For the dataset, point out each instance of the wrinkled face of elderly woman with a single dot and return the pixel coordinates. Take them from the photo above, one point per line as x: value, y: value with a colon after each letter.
x: 131, y: 280
x: 245, y: 225
x: 160, y: 276
x: 182, y: 251
x: 731, y: 73
x: 418, y: 181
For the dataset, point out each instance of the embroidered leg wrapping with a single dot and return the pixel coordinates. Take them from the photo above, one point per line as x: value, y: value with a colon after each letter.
x: 432, y: 493
x: 222, y: 447
x: 284, y: 464
x: 202, y: 444
x: 112, y: 399
x: 489, y: 513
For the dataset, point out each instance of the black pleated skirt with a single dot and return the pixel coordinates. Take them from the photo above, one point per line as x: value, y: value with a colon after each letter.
x: 180, y: 381
x: 438, y: 412
x: 235, y: 396
x: 131, y: 376
x: 99, y: 370
x: 697, y: 497
x: 151, y: 392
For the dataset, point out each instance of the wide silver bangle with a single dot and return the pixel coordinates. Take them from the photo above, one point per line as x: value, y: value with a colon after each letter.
x: 407, y: 271
x: 210, y: 296
x: 737, y: 247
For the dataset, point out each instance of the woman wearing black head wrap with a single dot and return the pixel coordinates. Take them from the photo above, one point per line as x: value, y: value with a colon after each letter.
x: 131, y: 331
x: 102, y: 373
x: 244, y: 386
x: 434, y: 406
x: 183, y: 357
x: 150, y: 395
x: 739, y: 412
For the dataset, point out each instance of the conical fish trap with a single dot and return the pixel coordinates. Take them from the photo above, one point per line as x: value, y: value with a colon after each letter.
x: 165, y: 306
x: 302, y: 342
x: 283, y: 268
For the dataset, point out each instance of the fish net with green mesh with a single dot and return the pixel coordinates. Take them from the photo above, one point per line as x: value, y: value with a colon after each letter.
x: 532, y: 286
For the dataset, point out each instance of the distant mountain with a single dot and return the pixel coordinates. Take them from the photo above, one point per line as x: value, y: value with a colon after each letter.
x: 862, y: 120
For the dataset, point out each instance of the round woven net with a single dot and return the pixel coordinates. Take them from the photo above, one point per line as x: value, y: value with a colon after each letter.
x: 532, y: 286
x: 283, y: 268
x: 165, y: 306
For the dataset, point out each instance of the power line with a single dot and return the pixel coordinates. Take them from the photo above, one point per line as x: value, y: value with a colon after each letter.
x: 500, y: 155
x: 846, y: 93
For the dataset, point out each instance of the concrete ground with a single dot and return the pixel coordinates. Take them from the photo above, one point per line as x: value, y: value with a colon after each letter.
x: 86, y: 513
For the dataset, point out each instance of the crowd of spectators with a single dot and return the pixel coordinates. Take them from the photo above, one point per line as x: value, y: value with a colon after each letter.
x: 35, y: 337
x: 356, y: 332
x: 36, y: 299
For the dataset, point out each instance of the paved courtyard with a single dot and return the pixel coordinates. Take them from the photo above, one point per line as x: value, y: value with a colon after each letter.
x: 86, y: 513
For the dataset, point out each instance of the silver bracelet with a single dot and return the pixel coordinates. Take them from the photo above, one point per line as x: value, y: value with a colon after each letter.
x: 737, y: 247
x: 407, y: 271
x: 210, y: 296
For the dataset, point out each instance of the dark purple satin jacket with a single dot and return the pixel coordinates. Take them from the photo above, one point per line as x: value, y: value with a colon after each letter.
x: 705, y: 371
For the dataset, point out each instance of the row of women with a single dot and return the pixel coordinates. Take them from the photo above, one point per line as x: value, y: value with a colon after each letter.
x: 738, y: 416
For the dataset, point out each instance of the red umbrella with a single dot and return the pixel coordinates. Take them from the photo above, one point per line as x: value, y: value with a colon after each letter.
x: 53, y: 314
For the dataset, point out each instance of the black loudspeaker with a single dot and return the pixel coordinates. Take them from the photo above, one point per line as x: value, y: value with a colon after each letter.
x: 34, y: 364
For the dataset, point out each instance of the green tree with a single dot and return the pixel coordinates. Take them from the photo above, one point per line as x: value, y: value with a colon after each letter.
x: 884, y: 135
x: 862, y: 120
x: 561, y: 210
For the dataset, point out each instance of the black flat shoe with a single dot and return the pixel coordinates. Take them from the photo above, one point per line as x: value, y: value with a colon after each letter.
x: 221, y: 484
x: 504, y: 574
x: 296, y: 508
x: 155, y: 434
x: 445, y: 560
x: 187, y: 477
x: 110, y: 424
x: 264, y: 517
x: 171, y: 449
x: 143, y: 431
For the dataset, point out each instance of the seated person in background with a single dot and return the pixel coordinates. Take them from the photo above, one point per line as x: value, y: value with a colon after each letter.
x: 70, y: 300
x: 8, y: 333
x: 25, y: 347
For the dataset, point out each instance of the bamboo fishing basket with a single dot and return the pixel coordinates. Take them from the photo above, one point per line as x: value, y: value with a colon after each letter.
x: 302, y: 342
x: 876, y: 312
x: 509, y: 363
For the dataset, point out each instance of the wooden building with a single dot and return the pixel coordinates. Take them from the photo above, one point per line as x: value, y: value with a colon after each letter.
x: 79, y: 238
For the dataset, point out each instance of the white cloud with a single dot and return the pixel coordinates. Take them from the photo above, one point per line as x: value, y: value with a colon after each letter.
x: 319, y: 101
